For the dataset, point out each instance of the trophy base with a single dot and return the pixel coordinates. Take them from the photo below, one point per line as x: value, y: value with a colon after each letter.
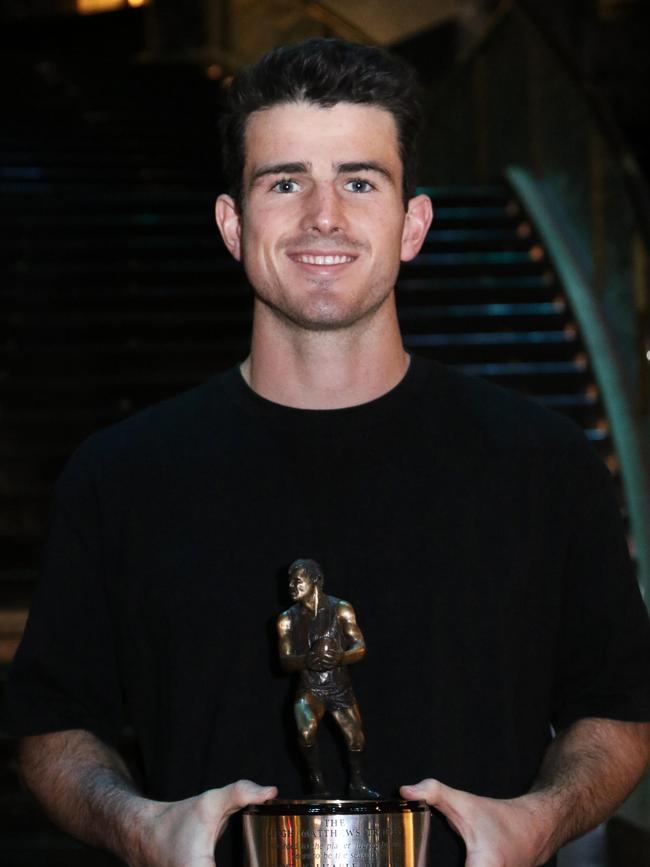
x: 336, y: 833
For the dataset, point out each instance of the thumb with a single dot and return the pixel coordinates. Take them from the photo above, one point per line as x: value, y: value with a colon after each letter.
x: 244, y: 792
x: 426, y: 790
x: 454, y: 804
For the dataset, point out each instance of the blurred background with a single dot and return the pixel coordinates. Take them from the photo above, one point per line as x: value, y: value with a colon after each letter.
x: 116, y: 290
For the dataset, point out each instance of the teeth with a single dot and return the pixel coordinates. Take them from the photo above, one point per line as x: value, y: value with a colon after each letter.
x: 325, y: 260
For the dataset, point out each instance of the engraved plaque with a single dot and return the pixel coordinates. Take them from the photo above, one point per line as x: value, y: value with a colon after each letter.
x: 336, y: 833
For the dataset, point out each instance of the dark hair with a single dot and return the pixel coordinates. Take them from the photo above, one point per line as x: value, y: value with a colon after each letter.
x: 311, y: 567
x: 323, y: 72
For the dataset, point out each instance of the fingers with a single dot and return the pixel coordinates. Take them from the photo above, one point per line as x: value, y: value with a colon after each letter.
x: 244, y: 792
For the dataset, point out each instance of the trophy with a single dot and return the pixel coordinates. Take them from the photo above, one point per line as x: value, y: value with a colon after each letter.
x: 319, y: 638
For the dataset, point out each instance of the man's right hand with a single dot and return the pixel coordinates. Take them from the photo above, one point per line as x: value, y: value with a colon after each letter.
x: 184, y: 833
x: 86, y: 788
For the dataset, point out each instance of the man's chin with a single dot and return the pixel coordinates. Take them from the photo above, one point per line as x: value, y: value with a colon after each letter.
x: 324, y: 318
x: 323, y: 324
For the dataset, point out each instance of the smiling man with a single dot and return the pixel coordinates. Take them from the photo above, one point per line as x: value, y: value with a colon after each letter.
x: 476, y: 532
x: 321, y: 231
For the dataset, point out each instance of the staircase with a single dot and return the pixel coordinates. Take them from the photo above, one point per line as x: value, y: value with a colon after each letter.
x: 483, y: 296
x: 117, y: 292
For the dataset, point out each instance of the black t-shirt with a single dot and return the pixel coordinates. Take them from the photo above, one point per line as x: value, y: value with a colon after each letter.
x: 474, y: 532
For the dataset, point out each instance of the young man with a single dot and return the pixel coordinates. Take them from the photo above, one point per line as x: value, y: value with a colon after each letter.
x: 476, y: 533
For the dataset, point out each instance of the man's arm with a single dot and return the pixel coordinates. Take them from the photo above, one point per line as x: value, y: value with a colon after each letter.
x: 586, y: 773
x: 357, y: 647
x: 85, y: 787
x: 289, y: 660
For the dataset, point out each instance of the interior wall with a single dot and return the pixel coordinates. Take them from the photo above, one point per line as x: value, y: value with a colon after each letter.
x: 386, y: 22
x: 256, y: 25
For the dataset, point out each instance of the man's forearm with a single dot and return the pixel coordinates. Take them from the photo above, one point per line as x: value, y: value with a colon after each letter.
x: 86, y: 788
x: 587, y: 772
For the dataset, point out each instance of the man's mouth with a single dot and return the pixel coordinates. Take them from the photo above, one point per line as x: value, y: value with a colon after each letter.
x: 309, y: 259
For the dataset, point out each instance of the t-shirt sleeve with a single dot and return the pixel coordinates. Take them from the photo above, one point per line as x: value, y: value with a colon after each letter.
x: 64, y: 675
x: 603, y: 660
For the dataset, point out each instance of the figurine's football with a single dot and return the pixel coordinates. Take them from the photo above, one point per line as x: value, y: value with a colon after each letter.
x: 328, y: 646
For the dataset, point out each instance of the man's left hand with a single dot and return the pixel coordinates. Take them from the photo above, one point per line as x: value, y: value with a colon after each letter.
x: 497, y: 833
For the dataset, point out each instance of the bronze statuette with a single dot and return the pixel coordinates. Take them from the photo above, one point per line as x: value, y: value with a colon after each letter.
x: 319, y: 637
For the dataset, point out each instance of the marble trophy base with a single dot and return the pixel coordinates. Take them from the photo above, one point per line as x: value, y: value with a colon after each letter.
x: 336, y: 833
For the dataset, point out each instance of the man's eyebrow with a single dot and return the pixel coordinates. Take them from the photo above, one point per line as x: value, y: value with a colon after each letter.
x: 280, y: 169
x: 368, y: 166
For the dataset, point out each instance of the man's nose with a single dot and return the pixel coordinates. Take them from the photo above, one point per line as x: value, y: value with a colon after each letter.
x: 324, y: 210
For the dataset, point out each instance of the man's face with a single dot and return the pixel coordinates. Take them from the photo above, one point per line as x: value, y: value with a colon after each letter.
x: 323, y: 226
x: 301, y: 586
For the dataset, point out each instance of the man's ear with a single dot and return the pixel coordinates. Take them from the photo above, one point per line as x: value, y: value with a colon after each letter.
x: 416, y: 225
x: 229, y: 222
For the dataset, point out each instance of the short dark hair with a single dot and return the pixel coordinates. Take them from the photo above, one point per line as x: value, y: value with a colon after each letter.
x: 311, y: 567
x: 323, y: 72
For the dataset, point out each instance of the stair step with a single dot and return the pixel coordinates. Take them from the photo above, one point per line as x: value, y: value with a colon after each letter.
x: 125, y: 221
x: 50, y: 251
x: 38, y: 299
x: 541, y: 368
x: 473, y: 216
x: 476, y: 259
x: 99, y: 174
x: 597, y: 435
x: 486, y: 283
x: 102, y: 355
x: 18, y: 160
x: 19, y: 329
x: 531, y: 378
x: 474, y: 236
x: 90, y: 382
x: 469, y: 193
x: 544, y: 316
x: 557, y: 307
x: 566, y: 401
x: 162, y: 268
x: 498, y: 338
x: 90, y: 195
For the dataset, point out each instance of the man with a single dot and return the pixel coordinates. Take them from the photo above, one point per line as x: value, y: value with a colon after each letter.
x: 481, y: 527
x: 319, y: 636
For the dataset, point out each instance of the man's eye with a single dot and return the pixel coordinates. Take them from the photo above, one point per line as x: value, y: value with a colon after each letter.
x: 285, y: 186
x: 358, y: 185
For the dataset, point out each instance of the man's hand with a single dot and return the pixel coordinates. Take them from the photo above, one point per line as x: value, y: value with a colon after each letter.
x: 184, y: 833
x: 496, y: 833
x: 587, y: 771
x: 86, y: 788
x: 324, y: 655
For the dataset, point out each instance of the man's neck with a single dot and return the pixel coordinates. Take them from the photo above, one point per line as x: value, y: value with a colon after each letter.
x: 327, y: 369
x: 313, y: 602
